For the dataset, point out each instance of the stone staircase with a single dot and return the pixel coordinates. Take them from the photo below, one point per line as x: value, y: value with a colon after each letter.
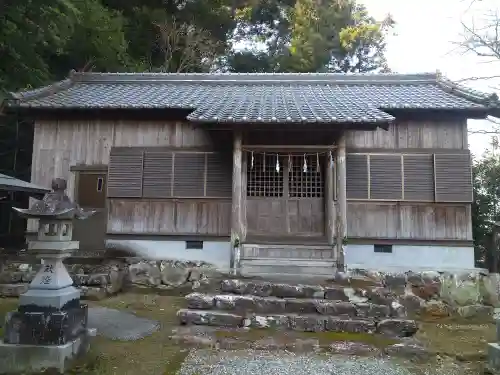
x: 262, y: 304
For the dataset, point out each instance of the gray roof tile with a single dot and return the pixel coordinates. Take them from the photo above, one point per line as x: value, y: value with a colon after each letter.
x: 322, y: 98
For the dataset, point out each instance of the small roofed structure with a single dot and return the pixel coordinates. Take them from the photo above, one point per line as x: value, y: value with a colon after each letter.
x: 8, y: 183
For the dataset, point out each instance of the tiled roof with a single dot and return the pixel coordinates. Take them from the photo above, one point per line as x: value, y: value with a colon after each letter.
x: 13, y: 184
x: 314, y: 97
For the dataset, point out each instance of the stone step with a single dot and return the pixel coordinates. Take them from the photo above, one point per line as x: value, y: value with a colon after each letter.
x: 377, y: 295
x: 293, y: 341
x: 242, y: 304
x: 297, y: 322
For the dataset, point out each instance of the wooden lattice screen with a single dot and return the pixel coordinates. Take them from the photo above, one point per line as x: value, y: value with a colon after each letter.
x: 264, y: 180
x: 308, y: 182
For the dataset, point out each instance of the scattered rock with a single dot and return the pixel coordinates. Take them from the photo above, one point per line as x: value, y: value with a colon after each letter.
x: 336, y: 308
x: 200, y: 301
x: 349, y: 325
x: 436, y: 309
x: 380, y: 296
x: 267, y: 321
x: 354, y: 296
x: 305, y: 323
x: 352, y: 348
x: 301, y: 306
x: 93, y: 293
x: 12, y: 290
x: 412, y: 303
x: 370, y: 310
x: 335, y: 294
x: 395, y: 281
x: 397, y: 327
x: 174, y: 273
x: 408, y: 350
x: 215, y: 318
x: 302, y: 345
x: 479, y: 312
x: 414, y: 279
x: 427, y: 291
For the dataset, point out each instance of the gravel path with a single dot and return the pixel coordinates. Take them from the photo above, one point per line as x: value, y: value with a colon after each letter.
x: 250, y: 362
x: 265, y: 363
x: 120, y: 325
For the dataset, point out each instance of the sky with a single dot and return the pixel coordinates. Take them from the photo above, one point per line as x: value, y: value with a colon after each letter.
x: 425, y: 40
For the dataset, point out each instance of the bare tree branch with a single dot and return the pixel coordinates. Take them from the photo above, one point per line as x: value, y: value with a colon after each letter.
x: 483, y: 40
x: 185, y: 48
x: 477, y: 78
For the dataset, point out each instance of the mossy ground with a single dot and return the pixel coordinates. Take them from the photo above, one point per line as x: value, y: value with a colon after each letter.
x: 463, y: 341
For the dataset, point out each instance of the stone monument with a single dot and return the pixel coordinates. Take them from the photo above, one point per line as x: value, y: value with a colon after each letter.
x: 49, y: 329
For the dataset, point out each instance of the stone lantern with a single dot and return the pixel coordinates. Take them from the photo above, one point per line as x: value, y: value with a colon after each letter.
x: 49, y: 328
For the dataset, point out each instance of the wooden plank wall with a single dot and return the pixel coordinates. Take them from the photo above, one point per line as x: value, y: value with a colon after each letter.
x: 170, y: 216
x: 407, y: 220
x: 412, y: 134
x: 58, y: 145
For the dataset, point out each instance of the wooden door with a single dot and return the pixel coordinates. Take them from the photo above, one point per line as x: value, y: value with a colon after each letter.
x: 91, y: 194
x: 285, y: 196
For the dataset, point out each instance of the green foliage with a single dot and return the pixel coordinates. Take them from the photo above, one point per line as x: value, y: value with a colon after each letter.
x: 336, y: 36
x: 32, y: 30
x: 486, y: 206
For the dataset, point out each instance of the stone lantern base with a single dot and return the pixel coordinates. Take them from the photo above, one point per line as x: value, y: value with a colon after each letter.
x: 22, y: 359
x: 49, y: 328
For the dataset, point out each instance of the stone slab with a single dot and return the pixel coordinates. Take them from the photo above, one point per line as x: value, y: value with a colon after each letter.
x: 120, y: 325
x: 22, y: 359
x: 494, y: 357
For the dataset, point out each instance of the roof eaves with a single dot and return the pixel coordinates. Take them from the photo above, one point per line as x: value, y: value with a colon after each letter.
x: 235, y: 78
x: 43, y: 91
x: 200, y: 119
x: 489, y: 101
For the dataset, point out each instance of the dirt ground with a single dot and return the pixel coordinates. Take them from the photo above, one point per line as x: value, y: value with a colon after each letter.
x: 463, y: 343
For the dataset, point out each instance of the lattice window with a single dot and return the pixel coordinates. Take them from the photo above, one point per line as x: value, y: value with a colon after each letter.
x: 263, y: 180
x: 305, y: 180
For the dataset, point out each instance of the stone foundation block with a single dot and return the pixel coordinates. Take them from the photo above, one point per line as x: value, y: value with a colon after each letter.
x: 22, y: 359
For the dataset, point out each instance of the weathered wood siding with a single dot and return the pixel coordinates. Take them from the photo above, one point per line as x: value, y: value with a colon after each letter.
x: 409, y: 221
x: 412, y: 134
x: 170, y: 216
x: 58, y: 145
x: 413, y: 221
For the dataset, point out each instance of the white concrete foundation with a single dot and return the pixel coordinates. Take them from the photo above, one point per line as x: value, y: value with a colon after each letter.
x: 415, y: 258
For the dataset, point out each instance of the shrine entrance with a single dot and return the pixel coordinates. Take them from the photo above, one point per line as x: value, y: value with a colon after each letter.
x: 285, y: 194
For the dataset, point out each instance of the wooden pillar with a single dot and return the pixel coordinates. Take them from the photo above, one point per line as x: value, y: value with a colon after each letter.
x: 236, y: 213
x: 329, y: 203
x: 341, y: 200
